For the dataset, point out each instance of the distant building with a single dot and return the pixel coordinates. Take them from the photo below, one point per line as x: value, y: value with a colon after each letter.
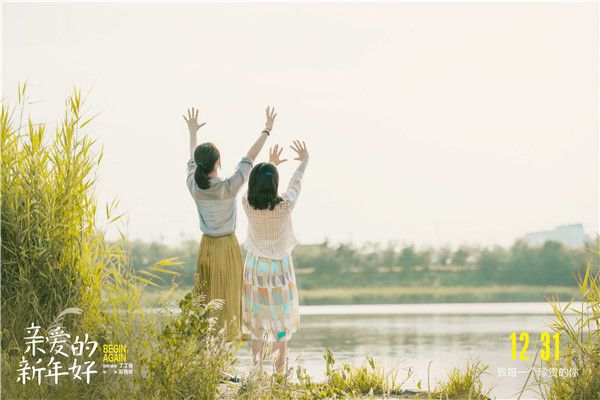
x: 569, y: 235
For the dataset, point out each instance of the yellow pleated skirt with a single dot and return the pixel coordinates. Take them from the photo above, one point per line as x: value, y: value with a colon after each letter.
x: 219, y: 270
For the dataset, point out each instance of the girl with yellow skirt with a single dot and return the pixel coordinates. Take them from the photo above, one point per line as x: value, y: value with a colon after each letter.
x: 219, y: 264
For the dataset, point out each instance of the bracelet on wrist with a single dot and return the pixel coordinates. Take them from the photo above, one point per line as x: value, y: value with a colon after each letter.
x: 266, y: 131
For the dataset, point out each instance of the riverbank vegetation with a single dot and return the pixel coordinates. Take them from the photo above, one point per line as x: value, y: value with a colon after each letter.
x: 55, y: 259
x: 576, y: 373
x: 344, y: 274
x: 368, y: 380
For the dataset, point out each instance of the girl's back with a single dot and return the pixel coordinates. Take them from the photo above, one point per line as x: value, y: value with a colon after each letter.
x: 270, y: 230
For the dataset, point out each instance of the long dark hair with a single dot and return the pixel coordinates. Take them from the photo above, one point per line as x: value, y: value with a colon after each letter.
x: 262, y: 187
x: 206, y: 156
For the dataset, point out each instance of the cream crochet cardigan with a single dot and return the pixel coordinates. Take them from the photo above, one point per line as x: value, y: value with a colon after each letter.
x: 270, y: 232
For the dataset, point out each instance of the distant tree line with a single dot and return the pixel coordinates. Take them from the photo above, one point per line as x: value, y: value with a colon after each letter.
x: 373, y: 264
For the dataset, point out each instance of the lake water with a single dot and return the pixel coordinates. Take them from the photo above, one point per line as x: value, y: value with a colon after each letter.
x: 412, y: 335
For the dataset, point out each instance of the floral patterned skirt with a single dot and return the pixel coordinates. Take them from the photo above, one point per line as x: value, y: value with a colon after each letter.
x: 270, y: 309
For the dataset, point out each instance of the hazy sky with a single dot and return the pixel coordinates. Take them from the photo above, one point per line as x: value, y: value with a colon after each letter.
x: 467, y: 123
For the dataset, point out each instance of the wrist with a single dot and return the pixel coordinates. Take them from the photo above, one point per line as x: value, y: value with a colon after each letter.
x: 266, y: 131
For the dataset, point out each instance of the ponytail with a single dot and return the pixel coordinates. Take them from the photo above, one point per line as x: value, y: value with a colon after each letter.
x: 201, y: 177
x: 206, y: 156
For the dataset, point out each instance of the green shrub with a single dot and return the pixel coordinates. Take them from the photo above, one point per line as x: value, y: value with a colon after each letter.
x: 188, y: 360
x: 463, y: 385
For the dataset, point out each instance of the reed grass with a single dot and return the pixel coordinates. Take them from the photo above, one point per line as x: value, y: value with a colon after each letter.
x: 55, y: 258
x: 579, y: 347
x: 52, y: 256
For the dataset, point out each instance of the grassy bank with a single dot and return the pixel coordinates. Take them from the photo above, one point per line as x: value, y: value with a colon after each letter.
x: 428, y: 294
x: 413, y: 294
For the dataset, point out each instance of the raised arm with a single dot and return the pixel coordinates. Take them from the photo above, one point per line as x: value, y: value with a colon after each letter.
x: 293, y: 189
x: 242, y: 171
x: 260, y: 142
x: 302, y: 152
x: 193, y: 126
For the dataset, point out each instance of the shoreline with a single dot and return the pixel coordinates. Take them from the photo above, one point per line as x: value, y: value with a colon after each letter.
x: 506, y: 308
x: 448, y: 296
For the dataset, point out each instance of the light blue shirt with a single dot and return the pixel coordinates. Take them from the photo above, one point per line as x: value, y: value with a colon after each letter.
x: 217, y: 204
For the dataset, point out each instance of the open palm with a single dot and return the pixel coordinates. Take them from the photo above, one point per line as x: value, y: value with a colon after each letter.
x: 192, y: 120
x: 300, y: 149
x: 271, y: 114
x: 275, y: 155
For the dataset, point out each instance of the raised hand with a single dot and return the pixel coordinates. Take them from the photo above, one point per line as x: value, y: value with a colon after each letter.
x: 192, y: 120
x: 271, y: 114
x: 300, y: 149
x: 275, y: 154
